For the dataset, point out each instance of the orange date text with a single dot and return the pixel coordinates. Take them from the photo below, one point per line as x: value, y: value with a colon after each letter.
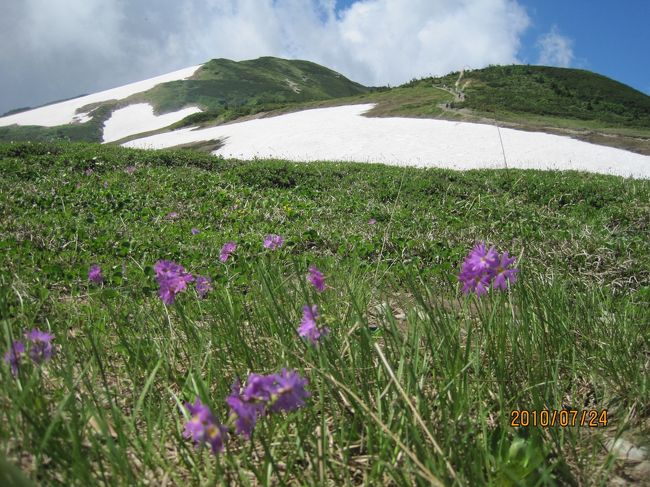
x: 565, y: 418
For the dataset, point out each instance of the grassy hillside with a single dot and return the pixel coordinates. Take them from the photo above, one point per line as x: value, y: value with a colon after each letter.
x: 222, y: 84
x: 414, y: 384
x: 549, y: 91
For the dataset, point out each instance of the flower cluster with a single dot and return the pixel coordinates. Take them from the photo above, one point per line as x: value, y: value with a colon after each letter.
x: 316, y: 278
x: 484, y: 267
x: 265, y: 393
x: 273, y: 241
x: 261, y: 395
x: 40, y: 350
x: 95, y: 274
x: 203, y: 286
x: 172, y: 279
x: 227, y: 249
x: 202, y: 427
x: 308, y: 328
x: 12, y: 357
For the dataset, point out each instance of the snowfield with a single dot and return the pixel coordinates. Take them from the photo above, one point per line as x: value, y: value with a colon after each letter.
x: 139, y: 118
x: 66, y: 112
x: 343, y: 134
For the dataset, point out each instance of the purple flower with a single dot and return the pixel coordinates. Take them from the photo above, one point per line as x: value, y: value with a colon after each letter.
x: 501, y: 274
x: 12, y: 357
x: 41, y: 349
x: 129, y: 169
x: 170, y: 287
x: 289, y: 392
x: 273, y: 241
x: 482, y: 259
x: 167, y: 268
x: 308, y: 328
x: 172, y: 215
x: 483, y: 267
x: 227, y: 249
x: 245, y: 410
x: 202, y: 427
x: 172, y: 279
x: 195, y: 231
x: 259, y: 387
x: 95, y: 274
x: 88, y: 172
x: 474, y: 281
x: 372, y: 221
x: 275, y: 393
x: 105, y: 184
x: 200, y: 416
x: 316, y: 278
x: 203, y: 286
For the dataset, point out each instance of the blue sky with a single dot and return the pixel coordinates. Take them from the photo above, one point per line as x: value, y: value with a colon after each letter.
x: 56, y: 49
x: 610, y: 37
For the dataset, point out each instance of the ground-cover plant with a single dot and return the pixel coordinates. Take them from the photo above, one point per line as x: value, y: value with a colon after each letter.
x: 413, y: 382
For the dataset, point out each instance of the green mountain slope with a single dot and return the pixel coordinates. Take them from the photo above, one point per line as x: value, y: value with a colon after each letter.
x: 547, y: 91
x: 221, y: 83
x: 223, y: 89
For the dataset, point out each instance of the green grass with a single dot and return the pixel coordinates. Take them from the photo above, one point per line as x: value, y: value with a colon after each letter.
x: 415, y: 383
x: 72, y: 132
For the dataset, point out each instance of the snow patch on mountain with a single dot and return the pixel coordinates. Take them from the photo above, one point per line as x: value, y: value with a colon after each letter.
x: 139, y: 118
x: 343, y: 134
x: 64, y: 112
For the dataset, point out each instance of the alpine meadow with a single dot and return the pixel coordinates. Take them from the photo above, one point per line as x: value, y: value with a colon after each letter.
x: 182, y: 316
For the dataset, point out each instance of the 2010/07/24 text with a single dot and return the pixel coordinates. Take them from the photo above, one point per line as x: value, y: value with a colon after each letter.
x: 565, y: 418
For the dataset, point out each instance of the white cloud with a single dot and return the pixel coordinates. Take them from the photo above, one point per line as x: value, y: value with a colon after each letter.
x: 60, y: 48
x: 373, y: 41
x: 555, y: 49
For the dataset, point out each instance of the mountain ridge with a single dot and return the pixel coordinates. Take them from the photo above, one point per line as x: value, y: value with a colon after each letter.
x: 565, y: 101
